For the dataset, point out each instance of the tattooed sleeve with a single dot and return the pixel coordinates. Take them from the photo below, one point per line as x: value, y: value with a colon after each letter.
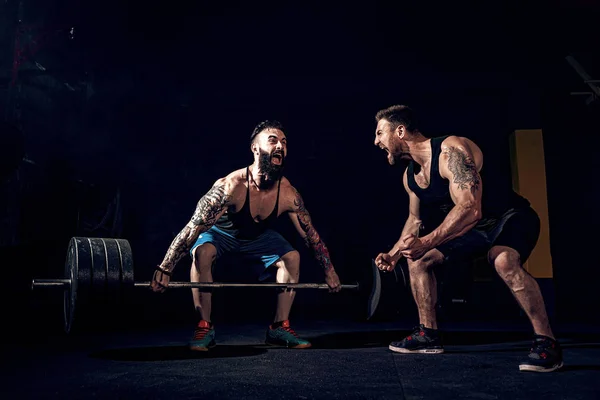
x: 210, y: 206
x: 463, y: 169
x: 311, y: 238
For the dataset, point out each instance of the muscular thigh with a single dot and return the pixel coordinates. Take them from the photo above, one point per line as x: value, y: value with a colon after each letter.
x: 206, y: 252
x: 266, y: 249
x: 518, y: 230
x: 216, y: 239
x: 472, y: 244
x: 260, y: 255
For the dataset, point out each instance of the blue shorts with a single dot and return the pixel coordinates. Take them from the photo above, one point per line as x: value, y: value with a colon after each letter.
x: 263, y: 251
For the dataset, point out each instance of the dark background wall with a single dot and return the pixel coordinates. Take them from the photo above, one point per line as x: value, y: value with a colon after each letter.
x: 150, y: 104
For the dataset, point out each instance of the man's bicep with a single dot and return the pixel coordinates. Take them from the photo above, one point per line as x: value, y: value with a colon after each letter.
x: 213, y: 204
x: 413, y: 205
x: 413, y: 200
x: 299, y: 214
x: 465, y: 182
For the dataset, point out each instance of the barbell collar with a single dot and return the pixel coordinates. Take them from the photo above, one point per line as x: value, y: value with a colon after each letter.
x: 50, y: 282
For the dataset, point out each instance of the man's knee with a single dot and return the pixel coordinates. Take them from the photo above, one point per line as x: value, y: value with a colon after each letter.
x: 425, y: 263
x: 291, y: 260
x: 506, y: 261
x: 204, y: 256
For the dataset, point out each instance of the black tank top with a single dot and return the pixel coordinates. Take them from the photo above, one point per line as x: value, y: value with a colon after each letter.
x: 241, y: 224
x: 436, y: 202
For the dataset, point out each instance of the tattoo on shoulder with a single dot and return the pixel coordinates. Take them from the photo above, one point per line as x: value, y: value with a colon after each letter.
x: 298, y: 201
x: 464, y: 169
x: 210, y: 206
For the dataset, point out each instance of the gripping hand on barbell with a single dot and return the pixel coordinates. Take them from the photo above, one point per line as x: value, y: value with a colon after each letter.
x: 160, y: 280
x: 333, y: 281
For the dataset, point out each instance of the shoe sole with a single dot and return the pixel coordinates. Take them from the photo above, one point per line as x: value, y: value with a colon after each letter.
x: 536, y: 368
x: 200, y: 348
x: 417, y: 351
x: 299, y: 346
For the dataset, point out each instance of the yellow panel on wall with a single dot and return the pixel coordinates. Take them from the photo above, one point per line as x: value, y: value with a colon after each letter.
x: 529, y: 180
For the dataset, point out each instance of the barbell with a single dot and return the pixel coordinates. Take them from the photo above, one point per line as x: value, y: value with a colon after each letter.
x: 100, y: 271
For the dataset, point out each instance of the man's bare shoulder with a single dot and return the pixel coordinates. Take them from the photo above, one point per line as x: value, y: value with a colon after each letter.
x: 230, y: 187
x: 454, y: 141
x: 285, y: 183
x: 234, y: 179
x: 286, y: 189
x: 288, y: 194
x: 460, y: 148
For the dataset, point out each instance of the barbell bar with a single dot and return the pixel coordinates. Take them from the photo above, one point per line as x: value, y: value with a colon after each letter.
x: 100, y: 271
x: 65, y: 283
x: 174, y: 285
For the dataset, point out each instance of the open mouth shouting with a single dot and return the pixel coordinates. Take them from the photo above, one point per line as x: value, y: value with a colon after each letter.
x: 277, y: 157
x: 390, y: 157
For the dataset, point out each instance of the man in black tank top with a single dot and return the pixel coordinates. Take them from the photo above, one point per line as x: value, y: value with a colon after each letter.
x: 236, y: 216
x: 449, y: 217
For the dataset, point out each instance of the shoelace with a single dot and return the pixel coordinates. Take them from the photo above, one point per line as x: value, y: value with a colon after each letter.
x: 541, y: 345
x: 199, y: 333
x: 290, y: 330
x: 416, y: 331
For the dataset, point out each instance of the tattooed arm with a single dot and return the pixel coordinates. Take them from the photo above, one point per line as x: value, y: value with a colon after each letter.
x: 460, y: 163
x: 303, y: 224
x: 210, y: 207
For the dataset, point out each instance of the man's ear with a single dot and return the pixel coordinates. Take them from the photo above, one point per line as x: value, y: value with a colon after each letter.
x: 400, y: 131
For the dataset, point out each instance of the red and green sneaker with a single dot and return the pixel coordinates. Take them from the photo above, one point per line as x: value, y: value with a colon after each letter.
x: 280, y: 334
x: 204, y: 337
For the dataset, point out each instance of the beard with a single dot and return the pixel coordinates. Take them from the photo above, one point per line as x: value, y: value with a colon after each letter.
x: 265, y: 164
x: 395, y: 155
x: 400, y: 160
x: 391, y: 158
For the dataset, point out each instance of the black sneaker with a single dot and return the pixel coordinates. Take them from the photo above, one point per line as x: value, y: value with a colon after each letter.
x: 545, y: 355
x: 422, y: 340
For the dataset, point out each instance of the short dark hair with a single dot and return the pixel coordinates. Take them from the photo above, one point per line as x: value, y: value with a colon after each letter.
x: 268, y: 124
x: 399, y: 115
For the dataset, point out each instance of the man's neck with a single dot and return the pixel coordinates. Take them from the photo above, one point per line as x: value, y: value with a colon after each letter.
x: 260, y: 179
x: 420, y: 150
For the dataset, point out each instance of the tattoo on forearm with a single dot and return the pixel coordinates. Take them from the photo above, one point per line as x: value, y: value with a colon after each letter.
x: 312, y: 239
x: 208, y: 209
x: 178, y: 248
x: 464, y: 170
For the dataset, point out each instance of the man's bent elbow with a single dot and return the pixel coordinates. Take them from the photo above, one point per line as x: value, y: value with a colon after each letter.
x: 473, y: 212
x: 475, y: 215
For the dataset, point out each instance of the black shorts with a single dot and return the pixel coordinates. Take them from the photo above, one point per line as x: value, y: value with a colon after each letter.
x: 518, y: 229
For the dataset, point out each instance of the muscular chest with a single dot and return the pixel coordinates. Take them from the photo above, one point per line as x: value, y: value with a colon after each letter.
x: 422, y: 178
x: 260, y: 203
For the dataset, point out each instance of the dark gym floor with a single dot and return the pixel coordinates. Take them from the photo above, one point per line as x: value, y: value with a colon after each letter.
x: 139, y: 350
x: 349, y: 359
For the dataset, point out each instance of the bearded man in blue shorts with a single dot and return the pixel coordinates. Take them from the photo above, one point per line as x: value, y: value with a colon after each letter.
x: 236, y: 216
